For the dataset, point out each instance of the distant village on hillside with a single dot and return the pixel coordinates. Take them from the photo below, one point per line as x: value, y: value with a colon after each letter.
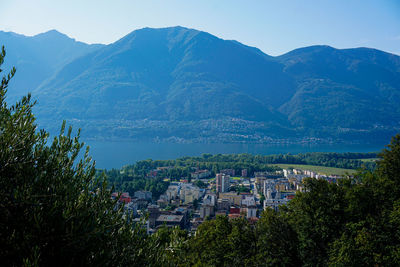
x: 186, y: 204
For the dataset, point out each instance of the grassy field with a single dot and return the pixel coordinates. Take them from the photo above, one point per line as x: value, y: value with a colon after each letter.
x: 318, y: 169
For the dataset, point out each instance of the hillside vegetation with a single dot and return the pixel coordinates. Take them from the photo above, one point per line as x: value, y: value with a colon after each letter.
x: 182, y: 85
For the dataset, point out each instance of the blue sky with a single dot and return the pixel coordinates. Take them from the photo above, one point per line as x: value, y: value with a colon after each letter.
x: 275, y: 26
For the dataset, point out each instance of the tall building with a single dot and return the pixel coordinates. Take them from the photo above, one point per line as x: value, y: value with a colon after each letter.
x: 222, y: 182
x: 207, y: 210
x: 154, y: 212
x: 251, y: 212
x: 188, y: 193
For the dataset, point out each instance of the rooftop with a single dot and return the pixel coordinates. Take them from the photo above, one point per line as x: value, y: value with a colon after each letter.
x: 169, y: 218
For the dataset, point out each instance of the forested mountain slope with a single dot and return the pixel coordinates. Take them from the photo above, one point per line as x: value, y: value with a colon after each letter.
x: 180, y: 84
x: 38, y: 57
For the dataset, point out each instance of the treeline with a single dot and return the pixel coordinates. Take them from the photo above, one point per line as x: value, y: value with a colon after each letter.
x: 254, y: 163
x: 131, y: 182
x: 328, y: 159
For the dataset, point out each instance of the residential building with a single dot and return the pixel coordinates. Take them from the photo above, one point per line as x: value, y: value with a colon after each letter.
x: 223, y: 204
x: 222, y: 182
x: 230, y: 172
x: 189, y: 192
x: 233, y: 197
x: 123, y: 198
x: 171, y: 220
x: 209, y: 199
x: 172, y: 192
x: 207, y: 210
x: 248, y: 201
x: 273, y: 199
x: 162, y: 203
x: 154, y: 212
x: 143, y: 195
x: 251, y: 212
x: 200, y: 174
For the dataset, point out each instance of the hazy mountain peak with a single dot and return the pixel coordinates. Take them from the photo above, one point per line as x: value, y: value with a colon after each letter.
x: 13, y: 34
x: 152, y: 32
x: 39, y: 57
x: 52, y: 34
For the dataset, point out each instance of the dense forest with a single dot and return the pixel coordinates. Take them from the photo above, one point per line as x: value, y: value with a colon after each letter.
x: 55, y: 210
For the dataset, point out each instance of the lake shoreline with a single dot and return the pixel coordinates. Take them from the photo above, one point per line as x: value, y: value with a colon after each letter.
x: 110, y: 155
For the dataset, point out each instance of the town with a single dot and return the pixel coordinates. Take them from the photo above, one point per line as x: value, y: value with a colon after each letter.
x: 187, y: 204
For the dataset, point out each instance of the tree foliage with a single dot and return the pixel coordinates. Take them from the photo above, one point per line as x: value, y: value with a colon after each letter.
x: 53, y: 208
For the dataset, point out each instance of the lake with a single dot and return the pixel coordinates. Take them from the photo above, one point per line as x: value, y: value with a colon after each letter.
x: 117, y: 154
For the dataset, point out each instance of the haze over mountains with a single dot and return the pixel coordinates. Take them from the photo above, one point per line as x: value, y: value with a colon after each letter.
x: 183, y: 85
x: 37, y: 58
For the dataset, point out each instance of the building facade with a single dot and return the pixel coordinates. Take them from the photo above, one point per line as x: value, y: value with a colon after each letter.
x: 222, y: 182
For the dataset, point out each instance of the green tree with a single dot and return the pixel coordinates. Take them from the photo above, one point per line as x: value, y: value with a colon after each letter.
x: 223, y: 242
x: 168, y: 247
x: 371, y: 236
x: 54, y: 209
x: 277, y: 241
x: 243, y: 242
x: 210, y: 245
x: 318, y: 216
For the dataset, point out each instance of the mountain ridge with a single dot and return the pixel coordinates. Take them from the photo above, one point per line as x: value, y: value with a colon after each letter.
x: 38, y: 57
x: 191, y: 78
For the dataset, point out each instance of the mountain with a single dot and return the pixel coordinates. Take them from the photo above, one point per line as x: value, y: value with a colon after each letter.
x: 184, y: 85
x: 348, y: 91
x: 39, y: 57
x: 169, y: 74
